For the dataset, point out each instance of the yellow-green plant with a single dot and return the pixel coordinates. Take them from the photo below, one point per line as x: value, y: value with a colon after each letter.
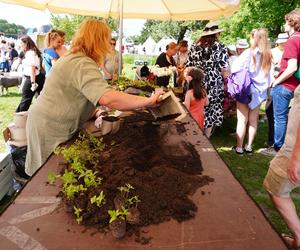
x: 117, y: 214
x: 99, y: 200
x: 52, y: 177
x: 77, y: 213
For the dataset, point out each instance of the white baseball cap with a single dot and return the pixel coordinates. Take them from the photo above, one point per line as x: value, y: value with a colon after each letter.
x: 282, y: 38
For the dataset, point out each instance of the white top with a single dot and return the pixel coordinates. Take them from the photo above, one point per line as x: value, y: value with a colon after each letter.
x: 31, y: 59
x: 2, y: 52
x: 181, y: 58
x: 276, y: 59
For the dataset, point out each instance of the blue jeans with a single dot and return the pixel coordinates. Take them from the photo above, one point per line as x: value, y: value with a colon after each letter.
x: 281, y: 97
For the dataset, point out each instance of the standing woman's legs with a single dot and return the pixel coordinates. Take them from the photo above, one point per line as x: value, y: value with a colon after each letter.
x: 253, y: 118
x: 27, y: 96
x: 242, y: 111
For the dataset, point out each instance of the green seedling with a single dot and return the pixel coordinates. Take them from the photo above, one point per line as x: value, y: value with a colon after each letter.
x: 90, y: 179
x: 125, y: 190
x: 68, y: 177
x: 99, y: 200
x: 52, y: 177
x: 77, y: 212
x: 70, y: 190
x: 133, y: 201
x: 117, y: 214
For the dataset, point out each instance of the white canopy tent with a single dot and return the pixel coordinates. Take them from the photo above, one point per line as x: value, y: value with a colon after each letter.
x: 146, y: 9
x: 162, y: 43
x: 149, y: 46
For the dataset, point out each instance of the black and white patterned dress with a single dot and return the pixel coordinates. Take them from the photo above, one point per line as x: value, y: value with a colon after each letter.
x: 211, y: 61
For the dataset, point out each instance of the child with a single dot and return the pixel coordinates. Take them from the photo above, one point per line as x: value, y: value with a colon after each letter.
x: 196, y: 97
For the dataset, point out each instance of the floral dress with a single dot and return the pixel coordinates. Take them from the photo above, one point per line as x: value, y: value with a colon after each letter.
x: 211, y: 60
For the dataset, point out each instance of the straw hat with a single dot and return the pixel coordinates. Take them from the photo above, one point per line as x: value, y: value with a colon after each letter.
x: 282, y: 38
x: 211, y: 28
x: 242, y: 44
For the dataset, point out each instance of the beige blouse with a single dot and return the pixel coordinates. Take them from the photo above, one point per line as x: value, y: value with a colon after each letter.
x: 69, y: 97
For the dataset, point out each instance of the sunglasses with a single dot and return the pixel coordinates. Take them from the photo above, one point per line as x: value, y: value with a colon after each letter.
x: 215, y: 27
x: 113, y: 44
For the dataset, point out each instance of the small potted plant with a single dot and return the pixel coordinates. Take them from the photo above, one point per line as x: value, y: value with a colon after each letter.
x: 110, y: 124
x: 117, y: 223
x: 120, y: 200
x: 133, y: 216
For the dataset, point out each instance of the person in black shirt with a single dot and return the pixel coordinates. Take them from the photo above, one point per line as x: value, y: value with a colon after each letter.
x: 166, y: 59
x: 13, y: 54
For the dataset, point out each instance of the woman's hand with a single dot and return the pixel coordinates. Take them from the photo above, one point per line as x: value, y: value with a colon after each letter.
x: 154, y: 99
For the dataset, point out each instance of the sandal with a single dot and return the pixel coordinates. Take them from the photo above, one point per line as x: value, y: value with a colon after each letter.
x: 288, y: 239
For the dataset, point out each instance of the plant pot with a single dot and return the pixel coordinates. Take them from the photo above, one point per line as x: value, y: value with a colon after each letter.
x: 110, y: 124
x: 118, y: 228
x: 20, y: 119
x: 17, y: 133
x: 133, y: 216
x: 119, y: 202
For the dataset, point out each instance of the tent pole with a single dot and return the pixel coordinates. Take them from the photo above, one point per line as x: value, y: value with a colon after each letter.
x: 120, y: 36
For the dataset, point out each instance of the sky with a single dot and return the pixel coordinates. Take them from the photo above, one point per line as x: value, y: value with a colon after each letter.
x: 31, y: 18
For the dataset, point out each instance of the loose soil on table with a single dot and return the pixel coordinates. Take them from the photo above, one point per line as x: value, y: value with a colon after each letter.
x: 156, y: 160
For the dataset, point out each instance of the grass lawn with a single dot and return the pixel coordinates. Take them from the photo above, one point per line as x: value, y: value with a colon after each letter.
x: 250, y: 170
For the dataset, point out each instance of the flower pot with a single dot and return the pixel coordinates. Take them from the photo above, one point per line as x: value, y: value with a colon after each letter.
x: 110, y: 124
x: 20, y: 119
x: 17, y: 133
x: 119, y: 202
x: 133, y: 216
x: 118, y: 228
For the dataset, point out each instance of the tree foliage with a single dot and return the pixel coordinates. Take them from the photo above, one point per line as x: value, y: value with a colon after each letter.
x: 70, y: 23
x: 252, y: 14
x: 173, y: 29
x: 10, y: 29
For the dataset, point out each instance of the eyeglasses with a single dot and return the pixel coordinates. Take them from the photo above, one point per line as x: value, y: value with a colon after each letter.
x: 113, y: 44
x: 212, y: 28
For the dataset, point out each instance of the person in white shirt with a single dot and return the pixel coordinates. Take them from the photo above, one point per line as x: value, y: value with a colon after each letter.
x: 33, y: 81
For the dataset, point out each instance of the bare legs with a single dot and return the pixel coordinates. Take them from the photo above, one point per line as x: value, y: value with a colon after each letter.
x: 207, y: 132
x: 287, y: 209
x: 246, y: 116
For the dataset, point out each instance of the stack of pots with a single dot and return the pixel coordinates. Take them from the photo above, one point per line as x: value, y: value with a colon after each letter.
x: 17, y: 130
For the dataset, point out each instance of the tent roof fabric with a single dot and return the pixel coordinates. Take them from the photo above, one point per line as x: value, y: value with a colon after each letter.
x: 146, y: 9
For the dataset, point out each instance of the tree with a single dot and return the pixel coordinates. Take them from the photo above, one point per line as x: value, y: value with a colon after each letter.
x: 11, y: 29
x: 174, y: 29
x: 252, y: 14
x: 70, y: 23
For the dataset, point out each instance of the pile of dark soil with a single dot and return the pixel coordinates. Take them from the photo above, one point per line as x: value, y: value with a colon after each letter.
x: 155, y: 159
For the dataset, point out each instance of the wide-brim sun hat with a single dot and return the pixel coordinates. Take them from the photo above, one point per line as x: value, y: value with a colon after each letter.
x: 211, y: 28
x: 282, y: 38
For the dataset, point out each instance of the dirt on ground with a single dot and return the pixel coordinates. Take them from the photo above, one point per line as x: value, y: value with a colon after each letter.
x: 153, y: 157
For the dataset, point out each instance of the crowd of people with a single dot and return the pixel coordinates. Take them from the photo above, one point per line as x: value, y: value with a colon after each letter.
x: 251, y: 72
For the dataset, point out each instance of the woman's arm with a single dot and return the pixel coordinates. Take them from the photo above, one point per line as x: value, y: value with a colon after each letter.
x: 187, y: 100
x: 206, y: 101
x: 122, y: 101
x: 32, y: 74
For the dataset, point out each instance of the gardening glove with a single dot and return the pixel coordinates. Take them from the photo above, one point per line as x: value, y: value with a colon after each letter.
x: 33, y: 86
x: 98, y: 121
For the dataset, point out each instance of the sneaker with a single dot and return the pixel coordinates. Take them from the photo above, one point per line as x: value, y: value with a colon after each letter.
x: 248, y: 150
x: 270, y: 151
x: 238, y: 150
